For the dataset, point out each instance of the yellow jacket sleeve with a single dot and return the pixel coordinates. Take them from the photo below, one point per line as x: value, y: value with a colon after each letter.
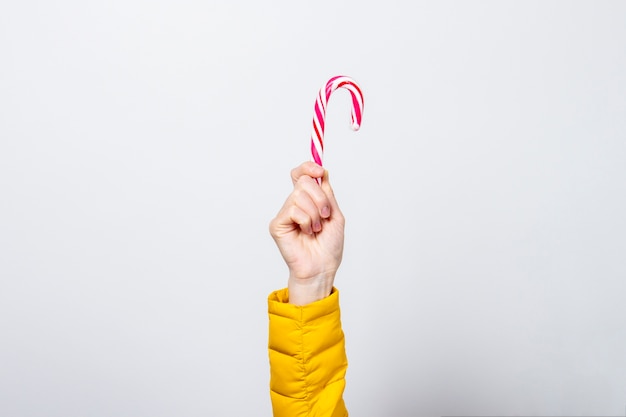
x: 307, y: 357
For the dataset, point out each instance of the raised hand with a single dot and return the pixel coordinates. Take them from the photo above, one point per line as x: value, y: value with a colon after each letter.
x: 308, y: 231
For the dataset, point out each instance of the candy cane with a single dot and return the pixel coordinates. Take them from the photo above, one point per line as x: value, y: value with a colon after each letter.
x: 317, y: 135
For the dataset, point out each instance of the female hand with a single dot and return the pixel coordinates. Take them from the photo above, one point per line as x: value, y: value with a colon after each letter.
x: 309, y: 232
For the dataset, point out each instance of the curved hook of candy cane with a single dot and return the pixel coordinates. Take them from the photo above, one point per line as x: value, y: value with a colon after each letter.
x: 319, y: 115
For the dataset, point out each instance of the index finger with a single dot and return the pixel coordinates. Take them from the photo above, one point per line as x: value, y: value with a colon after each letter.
x: 308, y: 168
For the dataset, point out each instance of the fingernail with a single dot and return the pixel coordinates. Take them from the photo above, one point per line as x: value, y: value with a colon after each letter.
x: 325, y: 211
x: 317, y: 227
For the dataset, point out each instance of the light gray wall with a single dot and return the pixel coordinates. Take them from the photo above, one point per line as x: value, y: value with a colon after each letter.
x: 145, y: 145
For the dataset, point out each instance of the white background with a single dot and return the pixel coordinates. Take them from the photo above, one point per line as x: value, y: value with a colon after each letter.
x: 145, y: 145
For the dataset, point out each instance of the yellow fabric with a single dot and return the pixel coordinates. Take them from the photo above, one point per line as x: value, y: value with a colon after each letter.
x: 307, y: 357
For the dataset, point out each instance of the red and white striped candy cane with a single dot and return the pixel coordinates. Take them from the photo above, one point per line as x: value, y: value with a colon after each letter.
x: 317, y: 135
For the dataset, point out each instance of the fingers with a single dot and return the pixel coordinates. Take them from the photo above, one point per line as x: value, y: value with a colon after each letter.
x: 309, y: 204
x: 298, y: 212
x: 306, y: 204
x: 309, y: 168
x: 302, y: 219
x: 312, y: 170
x: 306, y: 188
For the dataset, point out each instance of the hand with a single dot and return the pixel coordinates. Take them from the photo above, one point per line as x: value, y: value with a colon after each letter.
x: 308, y: 231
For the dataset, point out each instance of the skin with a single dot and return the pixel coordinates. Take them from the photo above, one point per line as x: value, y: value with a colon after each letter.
x: 309, y: 232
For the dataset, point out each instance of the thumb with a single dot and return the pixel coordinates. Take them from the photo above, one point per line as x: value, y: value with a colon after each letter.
x: 328, y: 190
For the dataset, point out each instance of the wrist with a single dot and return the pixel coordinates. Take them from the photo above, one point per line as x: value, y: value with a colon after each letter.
x: 304, y: 291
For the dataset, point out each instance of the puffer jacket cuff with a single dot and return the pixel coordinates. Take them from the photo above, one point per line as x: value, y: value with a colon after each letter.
x: 307, y: 356
x: 278, y: 304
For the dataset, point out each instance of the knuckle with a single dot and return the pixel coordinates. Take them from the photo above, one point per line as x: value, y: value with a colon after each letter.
x: 301, y: 183
x: 296, y: 194
x: 272, y: 226
x: 302, y: 179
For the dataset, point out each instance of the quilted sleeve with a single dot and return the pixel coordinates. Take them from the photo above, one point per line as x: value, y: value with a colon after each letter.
x: 307, y: 357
